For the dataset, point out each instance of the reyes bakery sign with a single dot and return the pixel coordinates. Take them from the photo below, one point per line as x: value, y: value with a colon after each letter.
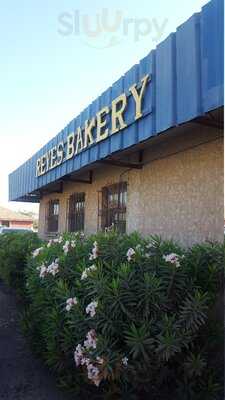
x: 108, y: 121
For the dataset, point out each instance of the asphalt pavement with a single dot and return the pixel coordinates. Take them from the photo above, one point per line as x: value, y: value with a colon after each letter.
x: 22, y: 375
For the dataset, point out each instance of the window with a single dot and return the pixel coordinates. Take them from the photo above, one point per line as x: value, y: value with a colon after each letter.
x: 53, y: 216
x: 5, y: 223
x: 114, y: 207
x: 76, y: 212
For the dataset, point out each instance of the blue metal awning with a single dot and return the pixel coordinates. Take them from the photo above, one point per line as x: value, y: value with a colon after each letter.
x: 187, y: 81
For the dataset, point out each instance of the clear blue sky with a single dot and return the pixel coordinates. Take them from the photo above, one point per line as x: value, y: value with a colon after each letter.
x: 49, y: 71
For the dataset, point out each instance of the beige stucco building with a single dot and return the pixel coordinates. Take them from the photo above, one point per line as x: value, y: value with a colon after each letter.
x: 178, y: 192
x: 147, y: 154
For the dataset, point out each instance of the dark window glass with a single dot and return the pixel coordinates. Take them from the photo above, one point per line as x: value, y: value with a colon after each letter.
x: 114, y: 207
x: 76, y: 212
x: 53, y: 216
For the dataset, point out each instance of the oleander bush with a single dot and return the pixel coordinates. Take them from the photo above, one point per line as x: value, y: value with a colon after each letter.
x: 14, y: 249
x: 122, y: 317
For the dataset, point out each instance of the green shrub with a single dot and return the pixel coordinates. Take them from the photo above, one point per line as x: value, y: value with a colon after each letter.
x: 142, y: 321
x: 14, y: 249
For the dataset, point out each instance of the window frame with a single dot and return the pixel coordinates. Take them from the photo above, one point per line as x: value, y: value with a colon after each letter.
x: 114, y: 207
x: 52, y: 217
x: 76, y: 212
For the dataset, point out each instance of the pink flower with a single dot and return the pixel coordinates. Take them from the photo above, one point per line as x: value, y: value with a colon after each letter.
x: 43, y: 271
x: 66, y: 247
x: 172, y: 258
x: 78, y: 355
x: 50, y: 243
x: 87, y: 361
x: 124, y: 361
x: 130, y: 254
x: 82, y: 358
x: 91, y: 308
x: 37, y: 252
x: 87, y: 271
x: 70, y: 303
x: 53, y: 268
x: 91, y: 341
x: 95, y: 251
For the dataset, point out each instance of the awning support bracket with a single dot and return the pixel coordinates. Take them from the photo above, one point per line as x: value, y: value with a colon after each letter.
x: 69, y: 178
x: 125, y: 164
x: 210, y: 121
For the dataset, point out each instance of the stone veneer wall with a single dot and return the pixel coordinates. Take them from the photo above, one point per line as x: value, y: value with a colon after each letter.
x: 179, y: 196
